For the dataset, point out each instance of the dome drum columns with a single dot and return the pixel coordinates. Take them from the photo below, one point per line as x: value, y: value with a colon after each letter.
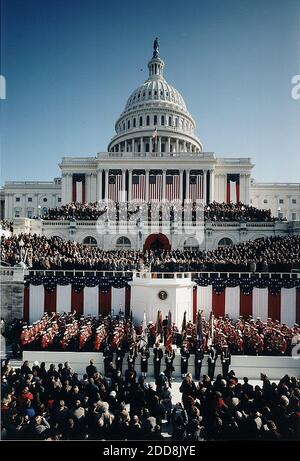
x: 162, y: 144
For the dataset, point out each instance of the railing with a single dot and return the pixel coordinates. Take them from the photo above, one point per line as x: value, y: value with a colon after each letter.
x: 183, y: 155
x: 208, y: 223
x: 154, y: 275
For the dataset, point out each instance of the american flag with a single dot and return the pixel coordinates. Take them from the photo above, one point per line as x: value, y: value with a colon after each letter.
x: 155, y: 186
x: 115, y: 187
x: 196, y: 187
x: 172, y: 187
x: 138, y: 187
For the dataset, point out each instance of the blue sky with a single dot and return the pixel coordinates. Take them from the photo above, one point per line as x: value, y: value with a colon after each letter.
x: 70, y: 66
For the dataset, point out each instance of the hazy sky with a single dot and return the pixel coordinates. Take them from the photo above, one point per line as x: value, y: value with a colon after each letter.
x: 70, y: 66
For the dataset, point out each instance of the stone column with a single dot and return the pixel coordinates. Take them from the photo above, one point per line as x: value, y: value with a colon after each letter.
x: 181, y: 185
x: 169, y: 145
x: 177, y: 145
x: 99, y: 184
x: 187, y: 184
x: 164, y: 184
x: 69, y: 189
x: 106, y: 184
x: 129, y: 184
x: 147, y: 186
x: 205, y: 186
x: 132, y: 145
x: 93, y: 187
x: 123, y: 195
x: 88, y: 187
x: 247, y: 189
x: 159, y: 144
x: 211, y: 186
x: 125, y: 145
x: 63, y: 188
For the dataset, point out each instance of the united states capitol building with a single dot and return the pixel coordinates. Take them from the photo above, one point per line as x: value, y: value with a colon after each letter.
x: 155, y: 156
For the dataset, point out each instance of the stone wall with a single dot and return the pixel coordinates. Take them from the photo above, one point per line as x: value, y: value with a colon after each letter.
x: 11, y: 299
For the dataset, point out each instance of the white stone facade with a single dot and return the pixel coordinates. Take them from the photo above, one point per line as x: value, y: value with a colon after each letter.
x: 30, y: 198
x: 283, y: 199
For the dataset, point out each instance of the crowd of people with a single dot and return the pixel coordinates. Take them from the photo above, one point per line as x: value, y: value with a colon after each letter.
x: 71, y: 332
x: 273, y: 254
x: 59, y: 404
x: 215, y: 211
x: 6, y: 225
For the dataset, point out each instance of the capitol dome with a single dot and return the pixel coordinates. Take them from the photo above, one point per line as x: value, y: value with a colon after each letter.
x: 155, y: 118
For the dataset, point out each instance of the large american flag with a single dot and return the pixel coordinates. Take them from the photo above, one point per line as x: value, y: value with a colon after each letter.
x: 196, y: 187
x: 138, y: 186
x: 155, y: 186
x: 115, y: 187
x: 172, y: 186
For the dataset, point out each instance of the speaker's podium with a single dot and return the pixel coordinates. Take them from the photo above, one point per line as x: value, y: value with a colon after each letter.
x: 151, y: 292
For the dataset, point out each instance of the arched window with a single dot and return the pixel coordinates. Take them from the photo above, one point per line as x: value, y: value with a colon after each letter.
x: 155, y: 119
x: 90, y: 241
x: 123, y: 242
x: 148, y: 120
x: 191, y: 244
x: 162, y: 119
x: 225, y: 242
x: 44, y: 210
x: 141, y: 121
x: 128, y: 124
x: 170, y: 121
x: 134, y: 123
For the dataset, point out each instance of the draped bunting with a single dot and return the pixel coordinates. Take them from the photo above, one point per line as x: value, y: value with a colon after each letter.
x: 278, y: 298
x: 247, y: 284
x: 63, y: 298
x: 232, y: 301
x: 274, y: 306
x: 288, y: 305
x: 36, y: 297
x: 245, y: 304
x: 260, y: 303
x: 78, y: 282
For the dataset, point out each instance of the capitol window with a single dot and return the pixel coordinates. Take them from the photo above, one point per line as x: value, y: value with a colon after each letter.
x: 17, y: 199
x: 155, y: 120
x: 134, y: 123
x: 90, y: 241
x: 141, y: 121
x: 294, y: 201
x: 265, y: 200
x: 45, y: 199
x: 29, y: 199
x: 148, y: 120
x: 281, y: 201
x: 170, y: 121
x: 225, y: 242
x: 294, y: 216
x: 162, y: 119
x: 123, y: 242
